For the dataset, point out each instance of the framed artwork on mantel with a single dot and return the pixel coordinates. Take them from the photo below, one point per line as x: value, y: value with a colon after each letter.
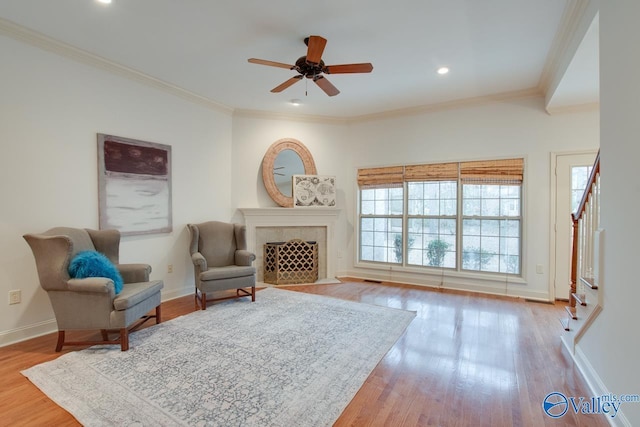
x: 314, y: 191
x: 134, y: 185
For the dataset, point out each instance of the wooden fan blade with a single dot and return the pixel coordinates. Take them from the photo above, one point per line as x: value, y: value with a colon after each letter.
x: 348, y: 68
x: 270, y: 63
x: 315, y: 47
x: 326, y: 86
x: 286, y: 84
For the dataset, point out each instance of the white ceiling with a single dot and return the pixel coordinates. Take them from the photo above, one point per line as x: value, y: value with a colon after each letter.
x: 492, y: 47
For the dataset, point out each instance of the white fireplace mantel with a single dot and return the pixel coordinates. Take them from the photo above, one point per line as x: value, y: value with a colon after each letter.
x: 294, y: 217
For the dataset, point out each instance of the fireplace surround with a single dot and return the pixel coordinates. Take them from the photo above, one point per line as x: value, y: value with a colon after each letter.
x: 282, y: 224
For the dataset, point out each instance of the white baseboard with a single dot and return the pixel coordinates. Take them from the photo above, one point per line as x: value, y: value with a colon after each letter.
x: 516, y: 290
x: 597, y: 386
x: 35, y: 330
x: 24, y: 333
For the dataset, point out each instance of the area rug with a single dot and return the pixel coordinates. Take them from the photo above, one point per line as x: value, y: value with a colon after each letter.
x: 287, y: 359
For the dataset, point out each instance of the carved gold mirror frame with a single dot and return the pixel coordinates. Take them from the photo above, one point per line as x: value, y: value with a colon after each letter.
x: 268, y: 177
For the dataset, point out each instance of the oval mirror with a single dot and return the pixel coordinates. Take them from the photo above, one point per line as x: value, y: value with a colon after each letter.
x: 285, y: 158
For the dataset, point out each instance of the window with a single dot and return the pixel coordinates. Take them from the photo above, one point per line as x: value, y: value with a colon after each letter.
x: 579, y: 178
x: 381, y: 224
x: 460, y: 216
x: 491, y: 228
x: 381, y: 214
x: 431, y: 223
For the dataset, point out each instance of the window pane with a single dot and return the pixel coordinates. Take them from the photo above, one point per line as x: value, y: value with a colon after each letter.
x: 490, y: 227
x: 366, y: 253
x: 431, y: 207
x: 510, y: 264
x: 449, y: 190
x: 510, y: 207
x: 416, y: 207
x: 490, y: 207
x: 396, y: 193
x: 431, y: 190
x: 415, y: 190
x: 367, y: 194
x: 396, y: 207
x: 367, y: 207
x: 366, y: 238
x: 510, y: 228
x: 471, y: 227
x: 471, y: 207
x: 579, y: 178
x: 448, y: 207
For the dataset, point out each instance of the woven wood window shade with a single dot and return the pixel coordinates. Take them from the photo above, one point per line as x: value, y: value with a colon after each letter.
x: 381, y: 177
x: 508, y: 171
x: 431, y: 172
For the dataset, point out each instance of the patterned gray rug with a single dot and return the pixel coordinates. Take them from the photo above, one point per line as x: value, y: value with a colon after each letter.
x: 288, y: 359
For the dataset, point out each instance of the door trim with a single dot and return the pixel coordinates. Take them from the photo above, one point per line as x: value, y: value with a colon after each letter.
x: 552, y: 213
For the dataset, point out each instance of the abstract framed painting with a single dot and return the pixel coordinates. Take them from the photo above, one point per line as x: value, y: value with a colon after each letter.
x: 134, y: 185
x: 314, y: 191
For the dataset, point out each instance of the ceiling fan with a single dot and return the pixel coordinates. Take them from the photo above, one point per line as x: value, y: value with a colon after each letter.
x: 313, y: 67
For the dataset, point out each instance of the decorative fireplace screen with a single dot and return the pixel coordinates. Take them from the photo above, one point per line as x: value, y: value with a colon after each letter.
x: 292, y: 262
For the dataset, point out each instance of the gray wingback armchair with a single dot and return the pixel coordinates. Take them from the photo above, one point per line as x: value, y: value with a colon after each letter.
x: 221, y: 261
x: 91, y: 303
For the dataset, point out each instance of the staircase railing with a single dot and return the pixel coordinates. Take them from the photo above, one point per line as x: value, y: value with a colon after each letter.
x: 586, y: 221
x: 585, y: 255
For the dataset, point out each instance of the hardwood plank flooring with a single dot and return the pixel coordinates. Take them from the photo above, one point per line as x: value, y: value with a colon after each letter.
x: 465, y: 360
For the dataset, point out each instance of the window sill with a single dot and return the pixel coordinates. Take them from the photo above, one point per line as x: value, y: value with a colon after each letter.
x: 436, y: 274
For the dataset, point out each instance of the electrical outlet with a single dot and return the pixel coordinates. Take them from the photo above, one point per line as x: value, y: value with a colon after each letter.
x: 539, y: 269
x: 170, y: 268
x: 15, y: 297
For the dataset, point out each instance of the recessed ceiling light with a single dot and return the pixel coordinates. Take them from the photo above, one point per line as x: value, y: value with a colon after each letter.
x: 443, y: 70
x: 296, y: 102
x: 104, y: 1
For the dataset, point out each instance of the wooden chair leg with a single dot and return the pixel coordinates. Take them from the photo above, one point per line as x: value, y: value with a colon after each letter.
x: 60, y: 342
x: 158, y: 314
x: 203, y: 300
x: 124, y: 339
x: 253, y: 294
x: 105, y: 335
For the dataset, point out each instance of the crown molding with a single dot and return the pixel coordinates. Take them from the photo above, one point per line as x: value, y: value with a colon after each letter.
x: 567, y: 27
x: 41, y: 41
x: 260, y: 114
x: 420, y: 109
x: 570, y: 22
x: 567, y: 109
x: 460, y: 103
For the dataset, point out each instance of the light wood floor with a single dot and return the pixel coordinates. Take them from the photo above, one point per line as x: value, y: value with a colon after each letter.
x: 465, y: 360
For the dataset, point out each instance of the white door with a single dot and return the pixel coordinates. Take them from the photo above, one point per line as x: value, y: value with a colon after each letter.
x: 571, y: 175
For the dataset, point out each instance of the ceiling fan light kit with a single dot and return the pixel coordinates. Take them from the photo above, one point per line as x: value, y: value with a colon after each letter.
x: 313, y: 67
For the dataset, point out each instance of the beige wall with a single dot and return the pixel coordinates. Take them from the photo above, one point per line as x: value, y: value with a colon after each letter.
x: 50, y: 111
